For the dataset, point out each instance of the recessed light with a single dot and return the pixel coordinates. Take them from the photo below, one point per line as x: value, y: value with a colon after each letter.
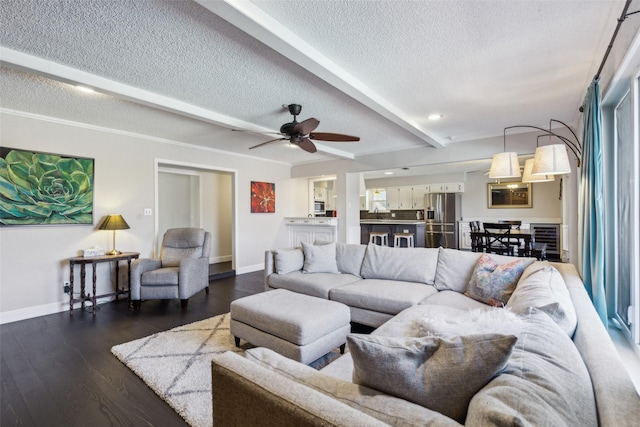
x: 434, y: 116
x: 388, y: 173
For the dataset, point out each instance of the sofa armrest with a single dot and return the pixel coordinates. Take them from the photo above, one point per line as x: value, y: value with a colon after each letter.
x: 138, y: 267
x: 238, y: 384
x: 269, y: 267
x: 617, y: 401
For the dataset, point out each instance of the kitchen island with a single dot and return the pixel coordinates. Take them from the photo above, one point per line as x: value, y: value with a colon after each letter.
x: 392, y: 226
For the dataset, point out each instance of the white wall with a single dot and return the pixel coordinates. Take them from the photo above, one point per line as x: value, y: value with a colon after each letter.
x: 33, y: 259
x: 546, y: 206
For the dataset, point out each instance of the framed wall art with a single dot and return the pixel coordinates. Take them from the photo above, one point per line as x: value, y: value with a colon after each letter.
x: 263, y: 197
x: 45, y: 189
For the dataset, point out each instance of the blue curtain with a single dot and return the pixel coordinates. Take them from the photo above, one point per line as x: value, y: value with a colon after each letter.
x: 591, y: 203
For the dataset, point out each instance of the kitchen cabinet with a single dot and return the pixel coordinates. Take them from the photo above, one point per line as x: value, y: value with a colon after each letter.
x: 464, y: 236
x: 320, y: 194
x: 399, y: 198
x: 310, y: 230
x: 455, y: 187
x: 330, y: 203
x: 418, y: 195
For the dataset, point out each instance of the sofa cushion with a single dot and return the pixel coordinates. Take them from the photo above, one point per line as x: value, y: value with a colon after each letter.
x: 161, y: 276
x: 437, y: 373
x: 455, y: 268
x: 349, y: 256
x: 545, y: 382
x: 316, y: 285
x: 288, y: 260
x: 493, y: 284
x: 385, y: 296
x: 319, y: 259
x: 453, y: 299
x: 390, y: 409
x: 543, y: 287
x: 405, y: 264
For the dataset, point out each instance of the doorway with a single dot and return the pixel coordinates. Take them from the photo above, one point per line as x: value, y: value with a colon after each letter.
x: 197, y: 196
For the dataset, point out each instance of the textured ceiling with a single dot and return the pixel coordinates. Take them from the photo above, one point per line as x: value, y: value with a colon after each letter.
x: 189, y: 71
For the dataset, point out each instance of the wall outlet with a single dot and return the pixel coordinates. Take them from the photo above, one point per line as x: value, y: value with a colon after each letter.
x: 393, y: 215
x: 148, y: 211
x: 67, y: 287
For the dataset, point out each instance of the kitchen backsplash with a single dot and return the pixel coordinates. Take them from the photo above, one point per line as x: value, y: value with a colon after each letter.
x: 403, y: 215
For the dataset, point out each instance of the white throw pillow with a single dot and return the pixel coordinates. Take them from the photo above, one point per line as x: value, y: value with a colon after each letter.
x: 440, y: 374
x: 288, y: 260
x: 319, y: 259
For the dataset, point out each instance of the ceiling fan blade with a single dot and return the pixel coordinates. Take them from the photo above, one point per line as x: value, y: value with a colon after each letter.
x: 306, y: 126
x: 268, y: 142
x: 307, y: 146
x: 337, y: 137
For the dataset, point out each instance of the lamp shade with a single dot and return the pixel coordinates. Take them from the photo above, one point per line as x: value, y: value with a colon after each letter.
x: 527, y: 177
x: 551, y: 160
x: 505, y: 165
x: 114, y: 222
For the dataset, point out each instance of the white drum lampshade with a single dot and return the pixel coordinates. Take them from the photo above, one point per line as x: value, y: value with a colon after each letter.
x: 551, y: 160
x: 505, y: 165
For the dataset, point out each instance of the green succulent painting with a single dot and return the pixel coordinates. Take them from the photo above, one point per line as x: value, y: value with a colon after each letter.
x: 39, y: 188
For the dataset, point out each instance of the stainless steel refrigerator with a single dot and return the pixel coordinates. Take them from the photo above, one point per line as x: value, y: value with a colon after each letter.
x: 442, y: 211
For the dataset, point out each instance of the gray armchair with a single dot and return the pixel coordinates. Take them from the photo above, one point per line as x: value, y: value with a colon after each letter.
x: 181, y: 271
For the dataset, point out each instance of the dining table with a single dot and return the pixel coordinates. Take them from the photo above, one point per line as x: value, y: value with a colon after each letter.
x: 522, y: 235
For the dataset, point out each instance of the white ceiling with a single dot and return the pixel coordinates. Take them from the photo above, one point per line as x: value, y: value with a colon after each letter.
x: 191, y: 71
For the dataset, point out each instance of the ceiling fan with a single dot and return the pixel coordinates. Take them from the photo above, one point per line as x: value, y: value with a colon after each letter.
x: 301, y: 134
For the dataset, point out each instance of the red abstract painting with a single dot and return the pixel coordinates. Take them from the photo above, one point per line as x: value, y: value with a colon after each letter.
x: 263, y: 197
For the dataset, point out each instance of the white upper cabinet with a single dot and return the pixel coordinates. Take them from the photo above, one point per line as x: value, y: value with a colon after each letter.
x: 454, y: 187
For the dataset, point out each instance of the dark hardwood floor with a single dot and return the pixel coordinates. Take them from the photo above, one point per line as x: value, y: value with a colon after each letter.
x: 57, y: 370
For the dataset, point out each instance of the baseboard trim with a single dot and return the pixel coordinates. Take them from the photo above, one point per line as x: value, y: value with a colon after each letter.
x: 43, y: 310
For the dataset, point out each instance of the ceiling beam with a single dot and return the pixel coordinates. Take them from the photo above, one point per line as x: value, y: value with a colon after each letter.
x: 24, y: 62
x: 258, y: 24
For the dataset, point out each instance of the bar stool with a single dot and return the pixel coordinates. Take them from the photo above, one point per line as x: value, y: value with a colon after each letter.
x: 398, y: 237
x: 375, y: 235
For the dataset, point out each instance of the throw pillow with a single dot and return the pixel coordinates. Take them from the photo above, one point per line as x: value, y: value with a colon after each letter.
x: 349, y: 256
x: 319, y: 259
x: 440, y: 374
x: 545, y: 289
x: 493, y: 284
x: 455, y: 268
x: 288, y: 260
x: 405, y: 264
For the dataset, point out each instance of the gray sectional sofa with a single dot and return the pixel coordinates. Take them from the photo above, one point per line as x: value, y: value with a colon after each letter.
x: 461, y: 338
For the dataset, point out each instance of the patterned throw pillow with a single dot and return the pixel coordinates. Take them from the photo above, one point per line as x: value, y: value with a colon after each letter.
x: 493, y: 284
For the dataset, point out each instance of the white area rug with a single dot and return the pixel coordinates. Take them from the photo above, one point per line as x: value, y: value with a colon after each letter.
x: 176, y: 364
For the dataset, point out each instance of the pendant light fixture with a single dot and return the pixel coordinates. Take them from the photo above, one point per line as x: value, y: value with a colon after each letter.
x: 528, y: 165
x: 505, y: 164
x: 552, y: 159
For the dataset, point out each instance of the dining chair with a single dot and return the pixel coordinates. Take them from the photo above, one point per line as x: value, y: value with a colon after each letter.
x: 514, y: 241
x: 477, y: 242
x: 497, y: 238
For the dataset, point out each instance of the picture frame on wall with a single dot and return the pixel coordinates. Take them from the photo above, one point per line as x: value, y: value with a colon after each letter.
x: 508, y: 195
x: 38, y: 188
x: 263, y: 197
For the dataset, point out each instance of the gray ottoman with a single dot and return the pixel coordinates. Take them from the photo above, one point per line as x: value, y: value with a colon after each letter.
x: 298, y: 326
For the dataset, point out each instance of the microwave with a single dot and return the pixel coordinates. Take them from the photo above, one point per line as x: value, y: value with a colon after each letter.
x: 318, y: 207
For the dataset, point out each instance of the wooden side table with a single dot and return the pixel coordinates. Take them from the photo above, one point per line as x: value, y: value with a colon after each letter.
x: 82, y: 261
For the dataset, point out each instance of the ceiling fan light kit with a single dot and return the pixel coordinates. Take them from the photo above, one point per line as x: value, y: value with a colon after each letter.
x: 300, y: 134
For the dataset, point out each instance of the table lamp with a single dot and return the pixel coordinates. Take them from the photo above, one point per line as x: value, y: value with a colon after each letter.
x: 114, y: 222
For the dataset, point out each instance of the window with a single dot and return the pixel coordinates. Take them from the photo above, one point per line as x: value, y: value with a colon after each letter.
x: 379, y: 200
